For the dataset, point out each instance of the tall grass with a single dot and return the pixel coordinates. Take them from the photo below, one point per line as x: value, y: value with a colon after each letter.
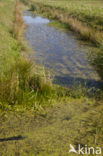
x: 26, y: 2
x: 20, y: 83
x: 97, y: 61
x: 87, y: 11
x: 22, y: 86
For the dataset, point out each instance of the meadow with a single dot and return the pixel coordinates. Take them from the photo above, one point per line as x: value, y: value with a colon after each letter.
x: 38, y: 118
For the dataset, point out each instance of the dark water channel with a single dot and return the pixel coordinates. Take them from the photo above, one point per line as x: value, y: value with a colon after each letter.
x: 60, y: 52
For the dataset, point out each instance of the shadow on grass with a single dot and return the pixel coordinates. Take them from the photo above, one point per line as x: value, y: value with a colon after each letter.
x: 19, y: 137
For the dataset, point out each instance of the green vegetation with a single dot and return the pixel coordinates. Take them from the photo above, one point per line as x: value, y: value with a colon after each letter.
x: 59, y: 25
x: 21, y: 86
x: 72, y: 116
x: 26, y: 2
x: 98, y: 62
x: 81, y: 16
x: 51, y: 131
x: 87, y: 11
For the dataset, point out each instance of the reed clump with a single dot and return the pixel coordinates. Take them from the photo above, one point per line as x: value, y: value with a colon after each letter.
x: 21, y: 85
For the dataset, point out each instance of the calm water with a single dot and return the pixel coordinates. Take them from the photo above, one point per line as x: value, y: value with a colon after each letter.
x: 60, y: 52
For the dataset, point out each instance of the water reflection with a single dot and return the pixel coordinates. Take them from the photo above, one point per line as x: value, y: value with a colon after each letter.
x: 60, y: 52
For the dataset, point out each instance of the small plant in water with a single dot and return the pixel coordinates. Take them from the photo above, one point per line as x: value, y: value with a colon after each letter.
x: 32, y: 8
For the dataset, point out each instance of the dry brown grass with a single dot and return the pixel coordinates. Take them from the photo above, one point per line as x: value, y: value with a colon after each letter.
x: 85, y: 31
x: 18, y: 23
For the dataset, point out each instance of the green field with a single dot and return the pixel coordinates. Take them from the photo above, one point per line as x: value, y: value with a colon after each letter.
x: 38, y: 118
x: 87, y: 11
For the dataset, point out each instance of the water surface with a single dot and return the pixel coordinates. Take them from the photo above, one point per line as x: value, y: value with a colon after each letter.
x: 60, y: 52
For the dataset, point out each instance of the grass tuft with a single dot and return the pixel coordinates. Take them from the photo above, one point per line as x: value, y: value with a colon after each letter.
x: 97, y: 61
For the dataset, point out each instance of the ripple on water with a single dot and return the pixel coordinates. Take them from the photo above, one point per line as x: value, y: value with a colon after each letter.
x: 60, y: 52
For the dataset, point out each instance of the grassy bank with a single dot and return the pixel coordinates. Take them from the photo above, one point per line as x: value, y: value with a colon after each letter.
x: 72, y: 116
x: 83, y: 17
x: 22, y: 85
